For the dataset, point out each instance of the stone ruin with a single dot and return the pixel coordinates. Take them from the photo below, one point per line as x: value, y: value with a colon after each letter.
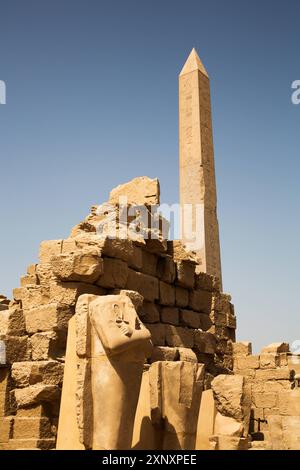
x: 120, y: 338
x: 247, y: 401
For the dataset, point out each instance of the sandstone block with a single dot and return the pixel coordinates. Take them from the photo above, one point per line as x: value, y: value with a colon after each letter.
x: 205, y: 322
x: 48, y: 317
x: 185, y: 274
x: 48, y: 249
x: 190, y: 318
x: 166, y: 269
x: 187, y: 355
x: 246, y: 362
x: 181, y: 297
x: 170, y: 315
x: 17, y: 349
x: 43, y: 345
x: 289, y: 402
x: 274, y: 374
x: 179, y: 337
x: 158, y: 333
x: 227, y: 426
x: 204, y: 342
x: 201, y: 301
x: 269, y: 361
x: 265, y: 400
x: 32, y: 428
x: 164, y: 353
x: 166, y: 294
x: 115, y: 274
x: 67, y: 293
x: 30, y: 373
x: 146, y: 285
x: 35, y: 394
x: 218, y: 318
x: 80, y: 266
x: 231, y: 397
x: 149, y: 263
x: 150, y: 313
x: 242, y: 348
x: 138, y: 192
x: 28, y: 280
x: 204, y: 281
x: 276, y: 348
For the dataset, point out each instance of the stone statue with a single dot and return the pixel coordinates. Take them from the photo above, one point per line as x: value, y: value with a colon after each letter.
x: 112, y: 346
x: 175, y: 396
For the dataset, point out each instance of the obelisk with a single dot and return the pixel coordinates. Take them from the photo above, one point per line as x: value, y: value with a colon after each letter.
x: 197, y: 167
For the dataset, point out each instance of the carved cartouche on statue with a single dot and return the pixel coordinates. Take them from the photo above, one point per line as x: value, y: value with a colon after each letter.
x: 118, y: 346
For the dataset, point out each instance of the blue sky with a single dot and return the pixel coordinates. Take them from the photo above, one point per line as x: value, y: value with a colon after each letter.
x: 92, y: 102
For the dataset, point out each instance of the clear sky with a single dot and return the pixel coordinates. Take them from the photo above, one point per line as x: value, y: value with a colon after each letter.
x: 92, y: 102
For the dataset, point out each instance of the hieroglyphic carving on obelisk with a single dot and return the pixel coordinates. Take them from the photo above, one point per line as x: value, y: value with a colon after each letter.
x: 197, y: 168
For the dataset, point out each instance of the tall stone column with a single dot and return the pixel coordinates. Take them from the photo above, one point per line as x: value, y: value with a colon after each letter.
x: 197, y: 168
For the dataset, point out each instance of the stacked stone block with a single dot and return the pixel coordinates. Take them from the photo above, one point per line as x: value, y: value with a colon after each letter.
x: 183, y: 308
x: 273, y: 398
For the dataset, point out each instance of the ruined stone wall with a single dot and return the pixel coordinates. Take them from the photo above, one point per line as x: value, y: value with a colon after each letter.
x: 275, y: 400
x: 183, y: 308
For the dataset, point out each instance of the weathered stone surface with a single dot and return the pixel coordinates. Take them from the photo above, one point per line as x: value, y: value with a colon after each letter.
x: 166, y: 269
x: 285, y: 432
x: 276, y: 348
x: 164, y: 353
x: 115, y: 274
x: 30, y: 373
x: 67, y: 293
x: 205, y: 322
x: 230, y: 396
x: 12, y: 322
x: 47, y: 317
x: 269, y: 361
x: 149, y: 263
x: 201, y: 301
x: 158, y: 333
x: 204, y: 342
x: 284, y: 373
x: 80, y: 266
x: 243, y: 348
x: 204, y: 281
x: 32, y: 428
x: 48, y: 249
x: 265, y: 400
x: 228, y: 426
x: 146, y: 285
x: 178, y: 251
x: 185, y: 274
x: 149, y: 313
x: 17, y: 349
x: 170, y: 315
x: 138, y: 192
x: 289, y: 402
x: 181, y: 297
x: 190, y: 318
x: 175, y: 394
x: 179, y: 337
x: 136, y: 298
x: 35, y: 394
x: 43, y: 345
x: 246, y: 362
x: 166, y: 294
x: 188, y: 355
